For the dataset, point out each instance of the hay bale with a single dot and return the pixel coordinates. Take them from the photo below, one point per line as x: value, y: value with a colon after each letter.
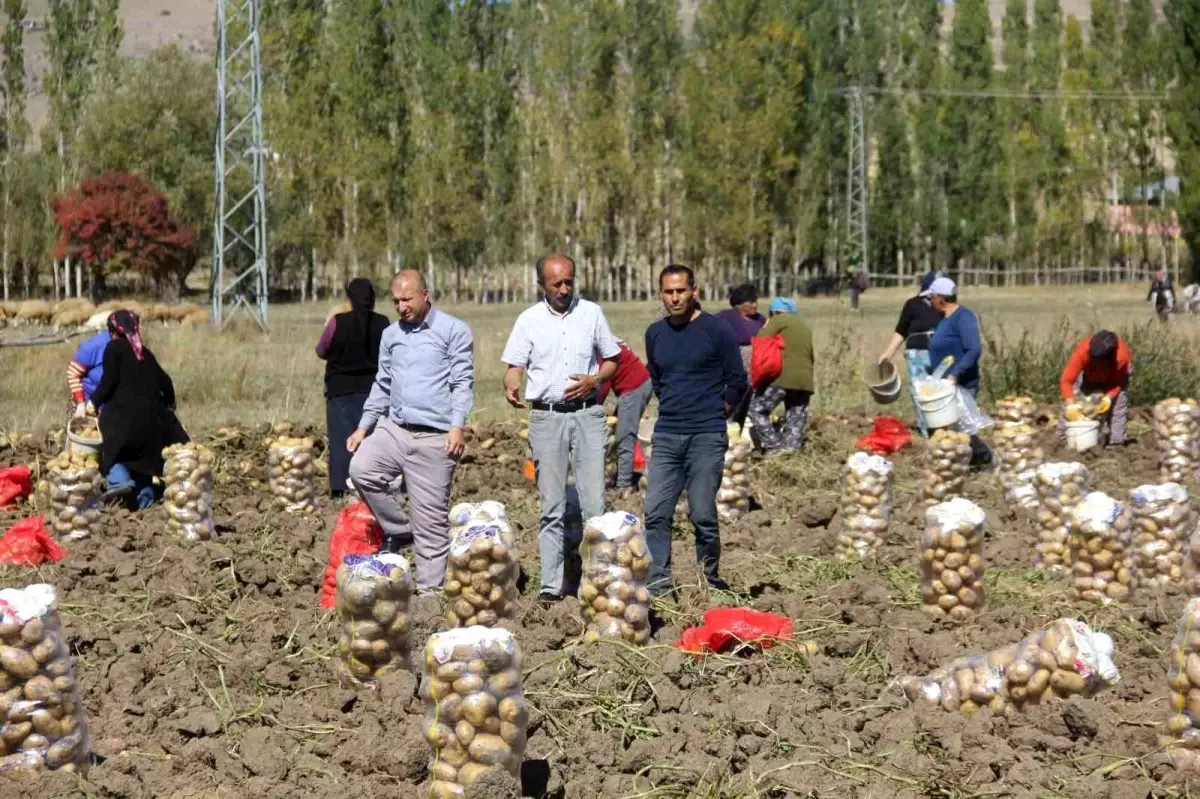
x: 35, y: 311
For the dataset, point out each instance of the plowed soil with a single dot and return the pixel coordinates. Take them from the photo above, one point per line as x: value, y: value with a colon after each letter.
x: 208, y: 669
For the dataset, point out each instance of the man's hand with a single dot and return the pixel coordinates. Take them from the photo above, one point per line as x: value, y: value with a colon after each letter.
x: 582, y: 388
x: 512, y: 388
x: 884, y: 358
x: 356, y: 438
x: 456, y: 444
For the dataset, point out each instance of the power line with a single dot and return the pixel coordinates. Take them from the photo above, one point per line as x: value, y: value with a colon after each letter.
x: 1000, y: 94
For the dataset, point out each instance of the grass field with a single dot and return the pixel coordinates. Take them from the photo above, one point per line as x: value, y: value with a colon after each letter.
x: 246, y: 377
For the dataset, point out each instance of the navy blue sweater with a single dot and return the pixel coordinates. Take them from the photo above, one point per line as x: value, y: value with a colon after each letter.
x: 695, y: 368
x: 958, y: 335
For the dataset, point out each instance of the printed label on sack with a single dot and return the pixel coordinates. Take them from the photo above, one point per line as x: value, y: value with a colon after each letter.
x: 19, y: 605
x: 375, y: 565
x: 476, y: 532
x: 1163, y: 492
x: 442, y: 645
x: 613, y: 525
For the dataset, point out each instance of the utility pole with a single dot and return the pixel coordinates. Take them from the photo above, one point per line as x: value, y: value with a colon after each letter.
x: 239, y: 268
x: 855, y: 252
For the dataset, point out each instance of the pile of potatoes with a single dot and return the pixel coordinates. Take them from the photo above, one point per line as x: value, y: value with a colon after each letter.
x: 73, y: 485
x: 733, y: 497
x: 948, y: 459
x: 43, y: 718
x: 1015, y: 410
x: 952, y: 560
x: 616, y: 567
x: 1177, y: 435
x: 1017, y: 452
x: 189, y: 477
x: 866, y: 506
x: 476, y: 719
x: 481, y: 577
x: 1066, y: 659
x: 1181, y: 737
x: 1101, y: 542
x: 372, y: 606
x: 1162, y: 522
x: 1060, y: 486
x: 489, y: 512
x: 290, y: 469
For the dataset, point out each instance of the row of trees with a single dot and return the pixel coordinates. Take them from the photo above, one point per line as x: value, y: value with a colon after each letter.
x: 470, y: 137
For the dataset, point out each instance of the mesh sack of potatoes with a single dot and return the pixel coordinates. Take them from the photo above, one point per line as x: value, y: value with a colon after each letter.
x: 1015, y: 410
x: 44, y: 725
x: 1060, y: 486
x: 616, y: 566
x: 952, y: 560
x: 866, y: 506
x: 1066, y: 659
x: 1181, y: 735
x: 947, y: 461
x: 610, y: 448
x: 1177, y: 436
x: 471, y: 514
x: 1101, y: 543
x: 481, y: 577
x: 290, y: 470
x: 1162, y: 522
x: 372, y: 606
x: 476, y: 719
x: 1018, y: 457
x: 188, y: 475
x: 73, y: 485
x: 733, y: 497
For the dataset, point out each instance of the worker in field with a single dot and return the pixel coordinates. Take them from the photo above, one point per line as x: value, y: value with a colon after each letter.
x: 913, y: 331
x: 1100, y: 364
x: 564, y: 350
x: 349, y: 345
x: 794, y: 386
x: 137, y: 421
x: 631, y: 385
x: 1162, y: 291
x: 743, y: 318
x: 85, y: 370
x: 412, y: 426
x: 957, y: 337
x: 699, y: 380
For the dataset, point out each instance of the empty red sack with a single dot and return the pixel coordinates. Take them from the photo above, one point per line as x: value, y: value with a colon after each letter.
x: 28, y: 543
x: 887, y: 435
x: 16, y: 483
x: 724, y: 627
x: 355, y: 533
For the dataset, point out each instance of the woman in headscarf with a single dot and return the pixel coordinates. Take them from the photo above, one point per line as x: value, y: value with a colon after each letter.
x: 743, y: 318
x: 349, y: 345
x: 137, y: 412
x: 917, y: 322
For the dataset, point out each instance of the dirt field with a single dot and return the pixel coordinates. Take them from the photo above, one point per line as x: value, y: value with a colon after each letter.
x: 208, y: 670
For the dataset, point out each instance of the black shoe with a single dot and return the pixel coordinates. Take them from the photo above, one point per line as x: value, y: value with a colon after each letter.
x: 392, y: 544
x: 548, y: 598
x: 719, y: 585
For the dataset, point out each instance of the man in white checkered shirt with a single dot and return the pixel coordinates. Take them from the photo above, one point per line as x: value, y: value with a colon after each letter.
x: 554, y: 345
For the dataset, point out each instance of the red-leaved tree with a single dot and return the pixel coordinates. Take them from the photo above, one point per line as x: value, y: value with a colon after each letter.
x: 118, y: 221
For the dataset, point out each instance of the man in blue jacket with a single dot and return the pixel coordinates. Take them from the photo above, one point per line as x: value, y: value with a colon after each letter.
x: 698, y: 377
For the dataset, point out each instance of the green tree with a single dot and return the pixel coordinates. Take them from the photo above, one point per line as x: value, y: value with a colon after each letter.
x: 16, y: 129
x: 1183, y: 32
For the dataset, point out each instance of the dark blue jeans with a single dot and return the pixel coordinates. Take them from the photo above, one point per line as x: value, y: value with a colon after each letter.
x: 677, y: 461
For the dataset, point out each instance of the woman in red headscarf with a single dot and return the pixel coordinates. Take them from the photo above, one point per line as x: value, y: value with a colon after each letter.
x: 137, y: 411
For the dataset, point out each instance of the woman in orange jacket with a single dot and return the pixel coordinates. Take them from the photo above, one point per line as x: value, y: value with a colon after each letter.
x: 1100, y: 364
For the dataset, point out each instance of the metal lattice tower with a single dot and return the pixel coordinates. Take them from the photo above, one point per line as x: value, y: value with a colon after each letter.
x: 855, y: 250
x: 239, y: 270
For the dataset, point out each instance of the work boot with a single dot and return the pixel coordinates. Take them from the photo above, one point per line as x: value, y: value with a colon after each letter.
x: 392, y: 544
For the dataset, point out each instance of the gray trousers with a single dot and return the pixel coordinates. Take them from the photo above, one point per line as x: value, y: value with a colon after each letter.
x: 630, y: 407
x: 1116, y: 417
x: 391, y: 451
x: 559, y: 440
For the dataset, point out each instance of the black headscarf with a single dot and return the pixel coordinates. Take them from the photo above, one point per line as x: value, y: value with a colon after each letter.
x: 361, y: 293
x: 125, y: 324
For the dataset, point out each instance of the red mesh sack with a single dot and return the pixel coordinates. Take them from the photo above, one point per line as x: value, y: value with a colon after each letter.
x: 16, y: 483
x: 766, y: 360
x: 28, y: 543
x: 725, y: 627
x: 887, y: 435
x: 355, y: 533
x: 639, y: 457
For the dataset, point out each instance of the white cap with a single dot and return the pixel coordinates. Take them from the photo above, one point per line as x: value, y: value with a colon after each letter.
x: 944, y: 287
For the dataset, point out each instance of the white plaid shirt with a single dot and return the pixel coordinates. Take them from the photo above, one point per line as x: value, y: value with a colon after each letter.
x: 551, y: 347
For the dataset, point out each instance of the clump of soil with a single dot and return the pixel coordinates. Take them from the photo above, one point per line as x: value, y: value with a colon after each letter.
x: 209, y: 669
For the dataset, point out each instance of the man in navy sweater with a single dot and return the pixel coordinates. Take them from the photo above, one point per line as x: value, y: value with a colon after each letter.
x: 698, y: 377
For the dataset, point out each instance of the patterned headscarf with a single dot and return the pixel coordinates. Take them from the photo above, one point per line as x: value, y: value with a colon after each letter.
x: 126, y: 325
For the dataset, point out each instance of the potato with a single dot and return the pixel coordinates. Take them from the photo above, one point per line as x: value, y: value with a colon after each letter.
x: 1162, y: 520
x: 734, y: 493
x: 374, y: 628
x: 290, y: 477
x: 1177, y: 438
x: 866, y: 506
x: 1060, y: 488
x: 613, y: 597
x: 956, y: 590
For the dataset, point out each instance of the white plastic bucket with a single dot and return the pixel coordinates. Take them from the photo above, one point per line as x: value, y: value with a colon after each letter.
x: 883, y: 381
x: 80, y: 444
x: 1083, y: 434
x: 940, y: 407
